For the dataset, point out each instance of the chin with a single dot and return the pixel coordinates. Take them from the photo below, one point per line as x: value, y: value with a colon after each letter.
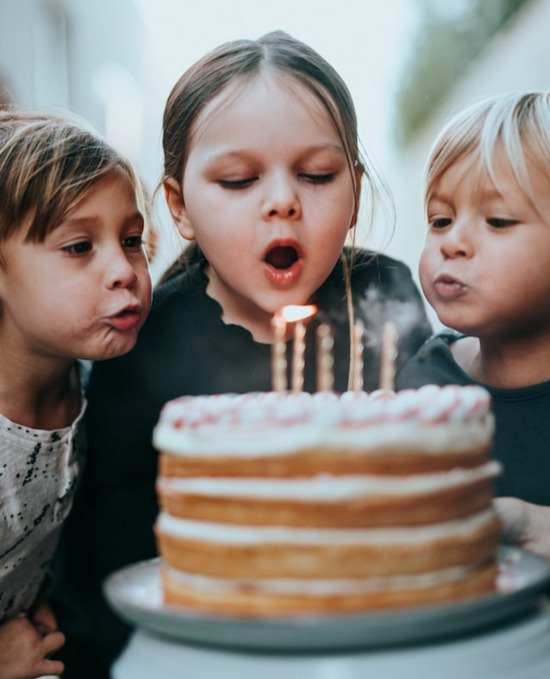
x: 113, y: 350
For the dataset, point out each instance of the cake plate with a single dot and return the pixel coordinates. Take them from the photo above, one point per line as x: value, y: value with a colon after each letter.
x: 135, y: 594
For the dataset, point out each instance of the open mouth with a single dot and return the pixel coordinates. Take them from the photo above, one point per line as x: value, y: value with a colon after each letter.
x: 282, y: 257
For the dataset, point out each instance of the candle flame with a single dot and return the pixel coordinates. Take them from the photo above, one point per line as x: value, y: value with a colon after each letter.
x: 294, y: 312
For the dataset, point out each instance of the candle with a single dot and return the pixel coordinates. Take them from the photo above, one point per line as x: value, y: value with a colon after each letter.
x: 289, y: 314
x: 325, y: 359
x: 298, y: 356
x: 389, y: 354
x: 278, y: 353
x: 357, y: 357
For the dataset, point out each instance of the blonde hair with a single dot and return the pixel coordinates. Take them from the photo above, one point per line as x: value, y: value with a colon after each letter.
x: 47, y: 164
x: 516, y: 124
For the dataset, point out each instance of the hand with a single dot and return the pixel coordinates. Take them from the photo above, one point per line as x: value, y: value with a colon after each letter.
x: 42, y: 617
x: 24, y: 650
x: 524, y: 524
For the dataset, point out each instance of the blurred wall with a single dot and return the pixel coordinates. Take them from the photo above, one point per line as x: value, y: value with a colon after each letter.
x: 517, y: 58
x: 92, y: 57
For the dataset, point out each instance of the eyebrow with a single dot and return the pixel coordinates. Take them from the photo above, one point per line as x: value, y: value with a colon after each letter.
x: 78, y: 221
x: 240, y: 153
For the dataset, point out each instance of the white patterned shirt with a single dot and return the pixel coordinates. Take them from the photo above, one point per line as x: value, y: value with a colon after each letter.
x: 39, y: 470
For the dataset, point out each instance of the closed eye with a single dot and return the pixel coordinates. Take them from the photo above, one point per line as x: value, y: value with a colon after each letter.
x: 237, y: 183
x: 499, y: 223
x: 318, y: 178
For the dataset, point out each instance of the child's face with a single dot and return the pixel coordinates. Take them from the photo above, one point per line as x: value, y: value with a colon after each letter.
x: 487, y: 252
x: 85, y: 291
x: 268, y: 194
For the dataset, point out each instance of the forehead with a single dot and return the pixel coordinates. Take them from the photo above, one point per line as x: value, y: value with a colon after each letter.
x: 263, y: 95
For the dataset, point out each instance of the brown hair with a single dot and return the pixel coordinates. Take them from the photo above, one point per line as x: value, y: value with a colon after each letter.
x: 47, y: 164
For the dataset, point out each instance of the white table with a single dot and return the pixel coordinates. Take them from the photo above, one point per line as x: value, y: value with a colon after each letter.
x: 517, y: 650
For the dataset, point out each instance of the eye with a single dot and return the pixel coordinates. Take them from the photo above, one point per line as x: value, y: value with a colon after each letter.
x: 318, y: 178
x: 440, y: 222
x: 133, y: 242
x: 237, y: 183
x: 80, y: 248
x: 500, y: 223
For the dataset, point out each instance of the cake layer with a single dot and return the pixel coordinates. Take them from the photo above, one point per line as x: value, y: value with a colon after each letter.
x: 280, y: 552
x: 325, y: 500
x: 295, y: 434
x: 389, y: 459
x: 284, y: 597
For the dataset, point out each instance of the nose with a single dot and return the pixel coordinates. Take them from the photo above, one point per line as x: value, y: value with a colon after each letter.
x: 281, y: 199
x: 457, y: 241
x: 120, y: 271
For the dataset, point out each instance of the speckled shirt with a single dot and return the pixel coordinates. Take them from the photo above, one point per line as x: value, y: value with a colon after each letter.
x: 38, y: 476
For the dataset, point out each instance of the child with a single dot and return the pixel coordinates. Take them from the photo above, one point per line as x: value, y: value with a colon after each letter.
x: 263, y: 172
x: 74, y: 284
x: 484, y: 269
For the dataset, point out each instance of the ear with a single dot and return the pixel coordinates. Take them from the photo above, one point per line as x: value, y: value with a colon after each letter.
x: 358, y: 181
x: 174, y: 200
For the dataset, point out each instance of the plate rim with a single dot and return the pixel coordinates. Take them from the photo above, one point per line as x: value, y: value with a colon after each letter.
x: 295, y: 632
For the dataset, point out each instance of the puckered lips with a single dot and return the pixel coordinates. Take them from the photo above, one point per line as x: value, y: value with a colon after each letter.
x: 449, y: 286
x: 282, y: 261
x: 126, y: 319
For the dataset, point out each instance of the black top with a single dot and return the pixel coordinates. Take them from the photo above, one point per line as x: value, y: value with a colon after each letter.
x: 186, y: 348
x: 522, y: 427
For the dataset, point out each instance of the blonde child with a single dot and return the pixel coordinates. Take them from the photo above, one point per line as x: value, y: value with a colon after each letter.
x: 74, y: 284
x: 485, y: 270
x: 263, y: 172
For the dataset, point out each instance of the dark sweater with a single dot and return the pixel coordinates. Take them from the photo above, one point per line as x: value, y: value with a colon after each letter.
x: 186, y: 348
x: 522, y: 429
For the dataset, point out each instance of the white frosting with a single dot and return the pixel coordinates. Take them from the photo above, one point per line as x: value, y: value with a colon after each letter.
x: 319, y: 587
x: 328, y: 488
x: 253, y: 425
x: 228, y: 534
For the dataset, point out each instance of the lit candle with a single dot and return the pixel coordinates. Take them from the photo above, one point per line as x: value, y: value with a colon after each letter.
x: 357, y: 357
x: 389, y: 354
x: 296, y: 314
x: 278, y: 353
x: 325, y: 358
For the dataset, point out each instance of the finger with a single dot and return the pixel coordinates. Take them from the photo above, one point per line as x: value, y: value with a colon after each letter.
x: 53, y: 642
x: 44, y: 617
x: 51, y: 667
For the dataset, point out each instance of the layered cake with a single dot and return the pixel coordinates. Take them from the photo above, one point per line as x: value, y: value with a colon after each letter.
x: 292, y: 503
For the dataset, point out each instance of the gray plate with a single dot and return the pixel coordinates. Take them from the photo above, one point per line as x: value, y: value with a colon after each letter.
x: 135, y: 594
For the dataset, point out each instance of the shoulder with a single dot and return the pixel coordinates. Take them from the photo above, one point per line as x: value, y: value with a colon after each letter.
x: 373, y: 261
x: 188, y: 282
x: 382, y: 271
x: 433, y: 363
x: 438, y: 344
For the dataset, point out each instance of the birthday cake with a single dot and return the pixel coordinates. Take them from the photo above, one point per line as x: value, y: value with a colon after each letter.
x: 285, y: 503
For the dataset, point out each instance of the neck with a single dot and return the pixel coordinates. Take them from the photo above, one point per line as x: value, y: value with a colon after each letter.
x: 510, y: 364
x: 39, y: 398
x: 240, y: 312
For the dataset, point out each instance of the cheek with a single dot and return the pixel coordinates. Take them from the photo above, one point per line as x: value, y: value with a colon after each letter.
x: 425, y: 262
x: 425, y: 269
